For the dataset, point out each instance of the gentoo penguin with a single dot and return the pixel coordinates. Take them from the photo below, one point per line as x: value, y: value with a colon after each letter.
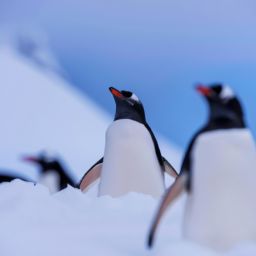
x: 132, y: 160
x: 219, y: 174
x: 52, y: 173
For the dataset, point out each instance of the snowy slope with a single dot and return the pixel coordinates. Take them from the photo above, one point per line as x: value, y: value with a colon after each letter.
x: 39, y: 110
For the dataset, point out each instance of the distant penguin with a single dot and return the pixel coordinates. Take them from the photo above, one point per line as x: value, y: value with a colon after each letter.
x: 132, y: 159
x: 219, y: 174
x: 52, y: 173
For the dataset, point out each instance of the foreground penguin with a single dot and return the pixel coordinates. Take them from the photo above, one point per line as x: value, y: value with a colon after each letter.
x: 219, y: 174
x: 52, y: 173
x: 132, y: 160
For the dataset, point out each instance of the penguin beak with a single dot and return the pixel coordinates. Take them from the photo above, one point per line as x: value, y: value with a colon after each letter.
x: 204, y: 90
x: 30, y: 159
x: 116, y: 93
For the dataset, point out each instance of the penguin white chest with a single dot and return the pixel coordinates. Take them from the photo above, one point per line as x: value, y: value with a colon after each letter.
x: 51, y: 180
x: 221, y: 207
x: 130, y: 161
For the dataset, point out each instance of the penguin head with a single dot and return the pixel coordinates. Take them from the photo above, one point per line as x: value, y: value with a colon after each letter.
x: 216, y: 92
x: 128, y: 106
x: 222, y: 101
x: 44, y: 161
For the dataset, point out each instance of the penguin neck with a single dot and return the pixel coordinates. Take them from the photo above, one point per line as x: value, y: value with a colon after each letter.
x: 50, y: 179
x: 127, y: 114
x: 64, y: 177
x: 129, y: 110
x: 130, y: 117
x: 222, y: 118
x: 53, y: 167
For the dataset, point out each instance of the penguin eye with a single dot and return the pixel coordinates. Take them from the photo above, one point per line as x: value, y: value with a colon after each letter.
x: 217, y: 89
x: 131, y: 98
x: 126, y: 94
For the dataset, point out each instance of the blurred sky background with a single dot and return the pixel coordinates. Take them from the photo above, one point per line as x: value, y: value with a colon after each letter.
x: 158, y: 49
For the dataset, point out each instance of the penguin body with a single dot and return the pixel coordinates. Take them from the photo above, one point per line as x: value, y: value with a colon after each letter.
x: 52, y: 173
x: 218, y: 173
x: 50, y: 179
x: 220, y: 206
x: 132, y: 160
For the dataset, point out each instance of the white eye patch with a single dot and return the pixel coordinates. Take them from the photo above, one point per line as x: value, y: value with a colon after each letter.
x: 49, y: 155
x: 134, y: 97
x: 227, y: 93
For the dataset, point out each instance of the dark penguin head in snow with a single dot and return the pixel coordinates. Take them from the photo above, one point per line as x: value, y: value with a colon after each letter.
x: 49, y: 164
x: 45, y: 162
x: 225, y: 108
x: 128, y: 106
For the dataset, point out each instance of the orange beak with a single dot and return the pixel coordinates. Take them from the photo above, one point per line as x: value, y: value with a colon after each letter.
x: 204, y: 90
x: 115, y: 92
x: 29, y: 159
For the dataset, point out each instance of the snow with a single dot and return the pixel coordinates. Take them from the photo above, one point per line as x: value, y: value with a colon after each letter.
x: 33, y: 222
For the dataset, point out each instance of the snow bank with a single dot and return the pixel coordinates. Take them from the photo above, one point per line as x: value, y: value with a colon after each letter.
x: 70, y: 223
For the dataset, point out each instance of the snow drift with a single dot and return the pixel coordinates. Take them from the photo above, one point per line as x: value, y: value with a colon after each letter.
x: 70, y: 223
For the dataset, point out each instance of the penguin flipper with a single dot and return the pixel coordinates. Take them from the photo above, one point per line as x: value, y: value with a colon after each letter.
x: 172, y: 193
x: 168, y: 168
x: 91, y: 176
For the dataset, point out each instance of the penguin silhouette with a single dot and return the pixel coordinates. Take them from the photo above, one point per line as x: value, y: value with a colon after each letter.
x: 52, y: 172
x: 218, y: 173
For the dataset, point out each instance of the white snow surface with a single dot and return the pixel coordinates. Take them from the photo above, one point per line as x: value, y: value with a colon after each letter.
x: 33, y: 222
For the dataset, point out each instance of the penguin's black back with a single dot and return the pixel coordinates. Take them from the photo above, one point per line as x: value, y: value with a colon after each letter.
x: 156, y: 145
x: 9, y: 178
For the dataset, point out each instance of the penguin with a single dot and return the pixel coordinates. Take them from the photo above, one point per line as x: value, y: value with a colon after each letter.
x: 218, y: 173
x: 52, y: 173
x: 132, y: 160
